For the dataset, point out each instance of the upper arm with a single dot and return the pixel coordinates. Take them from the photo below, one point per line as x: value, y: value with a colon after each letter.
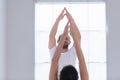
x: 83, y: 72
x: 82, y: 64
x: 52, y: 42
x: 53, y: 71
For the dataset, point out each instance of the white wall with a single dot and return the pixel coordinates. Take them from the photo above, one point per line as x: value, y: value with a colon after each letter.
x: 113, y: 39
x: 20, y: 40
x: 2, y: 38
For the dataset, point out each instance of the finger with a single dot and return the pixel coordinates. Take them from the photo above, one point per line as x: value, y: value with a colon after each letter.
x: 70, y: 18
x: 64, y: 15
x: 66, y: 10
x: 68, y: 14
x: 62, y: 11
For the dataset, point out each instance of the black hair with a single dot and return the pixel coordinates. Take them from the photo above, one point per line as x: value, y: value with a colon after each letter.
x: 69, y: 73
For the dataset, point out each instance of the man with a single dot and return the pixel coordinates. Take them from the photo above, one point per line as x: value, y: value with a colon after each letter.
x: 68, y: 56
x: 57, y: 57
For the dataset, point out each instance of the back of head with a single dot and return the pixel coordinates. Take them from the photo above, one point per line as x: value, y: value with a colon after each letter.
x: 69, y: 73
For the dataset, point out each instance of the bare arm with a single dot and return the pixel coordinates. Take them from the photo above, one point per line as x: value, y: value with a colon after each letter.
x: 82, y: 65
x: 73, y: 26
x: 77, y: 44
x: 54, y: 64
x: 52, y: 40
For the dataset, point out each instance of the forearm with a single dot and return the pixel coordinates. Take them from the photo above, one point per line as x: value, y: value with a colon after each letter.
x: 59, y: 48
x: 54, y: 29
x: 75, y: 30
x: 76, y: 39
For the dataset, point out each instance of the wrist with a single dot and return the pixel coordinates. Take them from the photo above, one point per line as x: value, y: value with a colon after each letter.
x: 58, y: 20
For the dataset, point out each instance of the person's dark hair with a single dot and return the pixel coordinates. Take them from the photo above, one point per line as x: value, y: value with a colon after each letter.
x: 69, y: 73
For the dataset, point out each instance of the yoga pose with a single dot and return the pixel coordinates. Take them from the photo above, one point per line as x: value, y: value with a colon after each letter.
x: 63, y: 59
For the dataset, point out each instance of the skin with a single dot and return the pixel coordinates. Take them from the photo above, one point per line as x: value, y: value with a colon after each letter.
x: 52, y: 40
x: 74, y: 31
x: 77, y: 44
x: 54, y: 64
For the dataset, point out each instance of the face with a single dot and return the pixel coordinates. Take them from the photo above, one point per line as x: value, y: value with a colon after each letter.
x: 66, y: 43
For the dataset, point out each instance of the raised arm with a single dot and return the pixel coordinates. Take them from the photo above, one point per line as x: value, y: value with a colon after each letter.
x: 73, y: 26
x: 82, y: 65
x: 54, y: 64
x: 77, y: 44
x: 52, y: 40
